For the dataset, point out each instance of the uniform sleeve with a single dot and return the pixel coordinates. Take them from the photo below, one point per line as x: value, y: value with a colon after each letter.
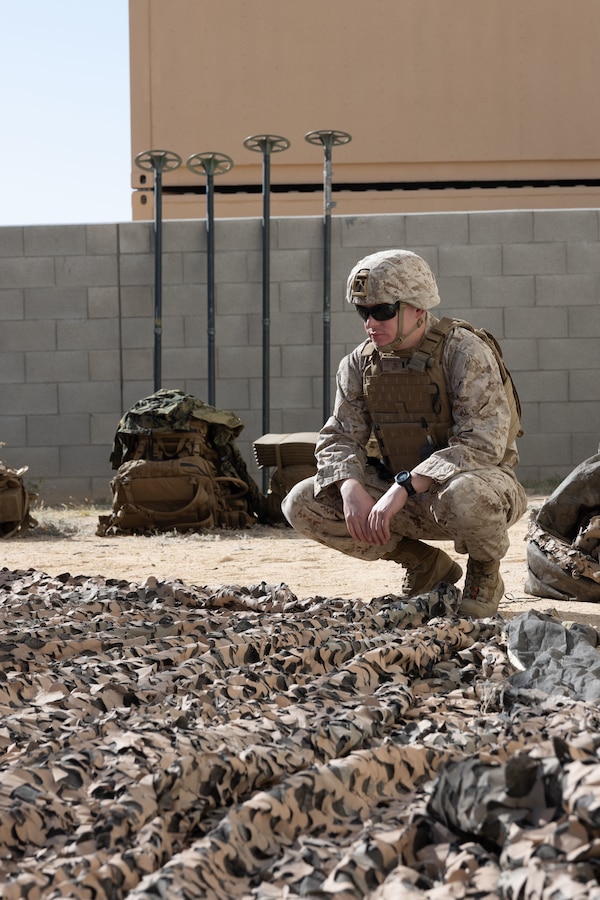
x: 480, y: 409
x: 340, y: 449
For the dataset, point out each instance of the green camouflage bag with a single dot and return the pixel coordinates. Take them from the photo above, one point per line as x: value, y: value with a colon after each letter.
x: 179, y: 468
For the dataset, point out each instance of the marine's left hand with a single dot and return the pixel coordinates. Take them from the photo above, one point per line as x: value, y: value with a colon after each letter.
x: 383, y: 511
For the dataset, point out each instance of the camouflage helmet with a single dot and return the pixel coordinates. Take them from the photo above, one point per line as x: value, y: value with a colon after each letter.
x: 391, y: 275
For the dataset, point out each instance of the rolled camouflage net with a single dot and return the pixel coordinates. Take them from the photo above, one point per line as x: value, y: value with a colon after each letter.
x: 169, y: 740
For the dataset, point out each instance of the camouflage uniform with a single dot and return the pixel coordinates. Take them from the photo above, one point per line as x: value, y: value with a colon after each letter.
x: 475, y: 496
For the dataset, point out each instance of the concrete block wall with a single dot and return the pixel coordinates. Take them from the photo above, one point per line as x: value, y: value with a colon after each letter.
x: 77, y: 312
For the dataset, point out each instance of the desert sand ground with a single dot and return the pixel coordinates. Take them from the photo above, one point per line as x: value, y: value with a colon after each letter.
x: 65, y: 540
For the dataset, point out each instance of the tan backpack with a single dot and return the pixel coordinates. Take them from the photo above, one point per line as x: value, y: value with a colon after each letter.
x: 178, y: 468
x: 15, y: 501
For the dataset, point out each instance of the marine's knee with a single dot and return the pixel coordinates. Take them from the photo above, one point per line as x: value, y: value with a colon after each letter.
x: 467, y: 500
x: 297, y: 498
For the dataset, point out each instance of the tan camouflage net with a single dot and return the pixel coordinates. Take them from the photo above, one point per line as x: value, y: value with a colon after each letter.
x: 165, y: 740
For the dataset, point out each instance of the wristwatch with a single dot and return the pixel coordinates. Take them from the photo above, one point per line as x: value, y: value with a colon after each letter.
x: 404, y: 480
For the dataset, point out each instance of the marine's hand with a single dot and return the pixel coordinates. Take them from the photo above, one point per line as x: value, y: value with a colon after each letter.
x: 357, y: 506
x: 382, y: 513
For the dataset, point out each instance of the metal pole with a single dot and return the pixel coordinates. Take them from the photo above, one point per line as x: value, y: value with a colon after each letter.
x: 266, y: 144
x: 158, y: 161
x: 210, y: 164
x: 328, y: 139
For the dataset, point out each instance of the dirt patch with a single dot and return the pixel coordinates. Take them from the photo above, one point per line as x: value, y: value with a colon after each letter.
x: 65, y: 540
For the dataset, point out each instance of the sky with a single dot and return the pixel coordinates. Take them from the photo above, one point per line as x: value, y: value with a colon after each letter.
x: 64, y: 112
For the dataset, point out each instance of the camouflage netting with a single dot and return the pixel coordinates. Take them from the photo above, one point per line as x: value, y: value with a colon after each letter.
x: 167, y: 740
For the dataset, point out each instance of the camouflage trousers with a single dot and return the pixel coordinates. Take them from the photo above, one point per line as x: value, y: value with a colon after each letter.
x: 473, y: 509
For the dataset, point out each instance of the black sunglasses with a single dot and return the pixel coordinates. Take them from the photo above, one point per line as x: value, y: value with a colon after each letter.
x: 381, y: 313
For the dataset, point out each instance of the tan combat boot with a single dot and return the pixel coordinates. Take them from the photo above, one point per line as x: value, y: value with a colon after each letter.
x: 483, y: 589
x: 425, y: 567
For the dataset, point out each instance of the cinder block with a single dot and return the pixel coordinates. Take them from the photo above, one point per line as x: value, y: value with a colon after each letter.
x: 136, y: 269
x: 504, y: 291
x: 299, y: 233
x: 195, y: 331
x: 301, y: 361
x: 87, y: 334
x: 437, y: 228
x: 584, y: 446
x: 85, y: 460
x: 137, y: 366
x: 11, y: 241
x: 42, y: 461
x: 544, y: 386
x: 521, y: 355
x: 137, y: 302
x: 173, y: 334
x: 583, y: 258
x: 454, y: 293
x: 306, y: 296
x: 55, y: 240
x: 103, y: 427
x: 233, y: 235
x: 531, y: 321
x: 136, y: 237
x: 509, y: 226
x: 387, y: 232
x: 137, y: 333
x: 29, y: 398
x: 290, y: 265
x: 179, y: 364
x: 97, y: 396
x: 534, y: 259
x: 292, y: 328
x: 232, y: 267
x: 57, y: 366
x: 584, y: 385
x: 12, y: 369
x: 300, y: 420
x: 572, y: 225
x: 14, y: 432
x: 102, y: 239
x: 233, y: 395
x: 584, y: 321
x: 567, y: 418
x: 86, y: 271
x: 562, y: 290
x: 30, y: 335
x: 56, y: 490
x: 105, y: 365
x: 47, y: 304
x: 180, y: 236
x: 546, y: 449
x: 182, y: 300
x: 245, y: 362
x: 44, y: 430
x: 195, y: 268
x: 470, y: 260
x: 137, y: 390
x: 21, y: 272
x: 12, y: 304
x: 103, y: 302
x: 569, y: 353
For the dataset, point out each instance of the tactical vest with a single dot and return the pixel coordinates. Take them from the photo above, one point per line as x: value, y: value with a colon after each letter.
x: 407, y: 397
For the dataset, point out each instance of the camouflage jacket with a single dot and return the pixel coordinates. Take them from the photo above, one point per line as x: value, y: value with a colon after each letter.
x: 480, y: 414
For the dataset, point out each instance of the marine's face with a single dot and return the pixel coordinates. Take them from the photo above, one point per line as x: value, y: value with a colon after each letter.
x: 381, y: 332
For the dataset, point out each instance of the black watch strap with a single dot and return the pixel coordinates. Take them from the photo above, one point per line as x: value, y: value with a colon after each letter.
x: 405, y: 481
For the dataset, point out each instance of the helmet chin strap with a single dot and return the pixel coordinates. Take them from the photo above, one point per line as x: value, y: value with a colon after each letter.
x: 396, y: 344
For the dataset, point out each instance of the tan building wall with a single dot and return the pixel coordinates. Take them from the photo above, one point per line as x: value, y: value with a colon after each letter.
x: 492, y: 99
